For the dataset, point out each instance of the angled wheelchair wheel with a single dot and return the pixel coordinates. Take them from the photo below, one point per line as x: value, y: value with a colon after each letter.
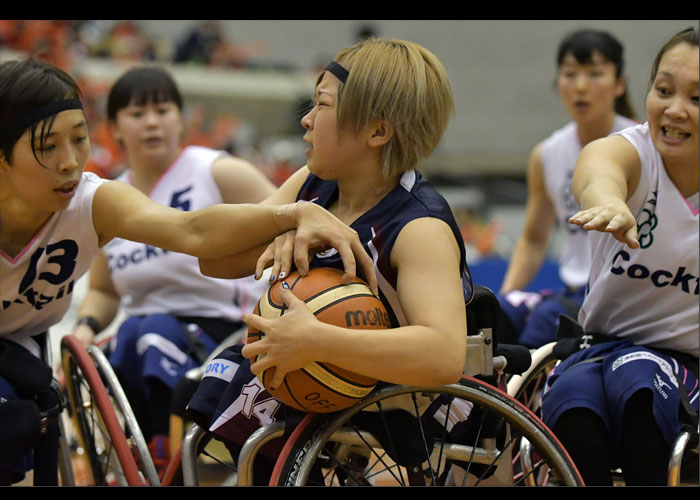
x: 110, y: 442
x: 462, y: 434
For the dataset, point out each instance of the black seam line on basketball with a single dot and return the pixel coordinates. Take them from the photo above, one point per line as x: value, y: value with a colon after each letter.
x: 331, y: 389
x: 343, y: 378
x: 272, y: 304
x: 289, y: 391
x: 341, y: 299
x: 295, y: 282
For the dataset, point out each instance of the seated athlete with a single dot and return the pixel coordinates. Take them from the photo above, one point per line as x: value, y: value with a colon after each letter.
x: 593, y: 88
x: 54, y: 218
x: 175, y: 316
x: 379, y: 108
x: 621, y: 402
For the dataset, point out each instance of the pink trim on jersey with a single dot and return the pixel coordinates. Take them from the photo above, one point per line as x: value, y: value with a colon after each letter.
x: 29, y: 245
x: 693, y: 210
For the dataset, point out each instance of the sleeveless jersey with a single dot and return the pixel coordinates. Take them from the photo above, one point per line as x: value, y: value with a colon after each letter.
x: 37, y: 284
x: 662, y: 311
x: 378, y: 228
x: 558, y: 156
x: 154, y: 281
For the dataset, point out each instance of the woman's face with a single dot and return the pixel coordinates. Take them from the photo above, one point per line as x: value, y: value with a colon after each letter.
x: 672, y: 105
x: 149, y: 132
x: 50, y: 185
x: 330, y: 150
x: 589, y: 90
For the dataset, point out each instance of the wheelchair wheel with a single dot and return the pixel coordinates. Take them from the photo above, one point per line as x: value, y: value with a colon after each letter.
x: 111, y: 442
x: 462, y: 434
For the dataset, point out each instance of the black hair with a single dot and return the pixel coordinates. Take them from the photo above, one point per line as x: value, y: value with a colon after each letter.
x: 583, y: 43
x: 24, y: 87
x: 688, y: 35
x: 140, y: 86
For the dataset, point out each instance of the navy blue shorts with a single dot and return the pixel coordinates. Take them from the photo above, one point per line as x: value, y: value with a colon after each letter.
x: 605, y: 385
x: 155, y: 346
x: 535, y: 315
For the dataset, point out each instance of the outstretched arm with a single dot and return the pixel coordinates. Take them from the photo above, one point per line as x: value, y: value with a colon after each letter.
x: 241, y: 264
x: 321, y: 229
x: 120, y: 210
x: 607, y: 173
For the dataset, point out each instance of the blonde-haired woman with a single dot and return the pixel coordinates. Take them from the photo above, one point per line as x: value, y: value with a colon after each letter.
x: 378, y: 109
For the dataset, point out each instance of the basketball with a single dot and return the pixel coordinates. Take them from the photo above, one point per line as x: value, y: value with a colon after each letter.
x: 322, y: 387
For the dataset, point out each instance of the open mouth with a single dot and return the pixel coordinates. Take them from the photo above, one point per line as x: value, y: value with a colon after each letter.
x: 67, y: 189
x: 153, y: 141
x: 581, y: 105
x: 674, y: 133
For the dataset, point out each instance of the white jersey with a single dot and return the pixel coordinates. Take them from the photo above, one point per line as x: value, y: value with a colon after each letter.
x: 36, y: 286
x: 649, y: 295
x: 155, y: 281
x: 558, y: 156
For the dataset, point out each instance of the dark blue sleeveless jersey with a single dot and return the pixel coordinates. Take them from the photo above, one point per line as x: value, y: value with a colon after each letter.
x: 413, y: 198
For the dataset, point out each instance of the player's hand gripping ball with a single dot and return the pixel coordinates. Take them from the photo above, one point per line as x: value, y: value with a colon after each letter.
x: 323, y: 387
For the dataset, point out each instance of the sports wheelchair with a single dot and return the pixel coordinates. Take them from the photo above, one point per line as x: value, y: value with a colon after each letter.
x: 469, y: 433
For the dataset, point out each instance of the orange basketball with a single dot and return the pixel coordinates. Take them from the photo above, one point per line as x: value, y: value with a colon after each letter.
x: 322, y: 387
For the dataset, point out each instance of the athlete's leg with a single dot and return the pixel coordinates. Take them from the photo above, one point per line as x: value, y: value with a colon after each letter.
x: 645, y: 453
x: 585, y: 437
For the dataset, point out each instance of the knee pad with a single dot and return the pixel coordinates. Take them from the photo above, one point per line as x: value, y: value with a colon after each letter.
x: 20, y: 428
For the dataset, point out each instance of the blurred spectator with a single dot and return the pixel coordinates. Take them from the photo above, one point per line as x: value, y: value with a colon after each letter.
x: 47, y: 40
x: 64, y: 43
x: 365, y: 31
x: 126, y: 41
x: 206, y: 44
x: 198, y: 45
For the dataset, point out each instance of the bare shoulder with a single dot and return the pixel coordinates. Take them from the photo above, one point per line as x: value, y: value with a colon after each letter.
x: 614, y: 147
x: 425, y: 239
x: 240, y: 181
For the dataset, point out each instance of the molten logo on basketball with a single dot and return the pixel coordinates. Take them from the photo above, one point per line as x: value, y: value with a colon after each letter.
x: 373, y: 317
x: 323, y: 387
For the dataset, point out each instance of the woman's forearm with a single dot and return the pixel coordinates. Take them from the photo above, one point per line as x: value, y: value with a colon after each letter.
x: 412, y: 355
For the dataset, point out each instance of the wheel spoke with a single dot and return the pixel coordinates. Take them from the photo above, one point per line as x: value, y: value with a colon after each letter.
x: 481, y: 429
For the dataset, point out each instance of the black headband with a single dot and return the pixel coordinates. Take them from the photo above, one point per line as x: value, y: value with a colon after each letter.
x: 337, y: 70
x: 44, y: 111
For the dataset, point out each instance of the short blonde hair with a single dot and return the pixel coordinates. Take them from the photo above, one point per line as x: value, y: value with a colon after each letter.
x: 402, y: 83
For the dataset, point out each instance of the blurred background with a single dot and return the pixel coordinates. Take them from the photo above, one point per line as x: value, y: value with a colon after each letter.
x: 247, y: 82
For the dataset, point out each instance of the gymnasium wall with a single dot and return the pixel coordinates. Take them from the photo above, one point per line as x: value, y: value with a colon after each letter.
x: 502, y: 72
